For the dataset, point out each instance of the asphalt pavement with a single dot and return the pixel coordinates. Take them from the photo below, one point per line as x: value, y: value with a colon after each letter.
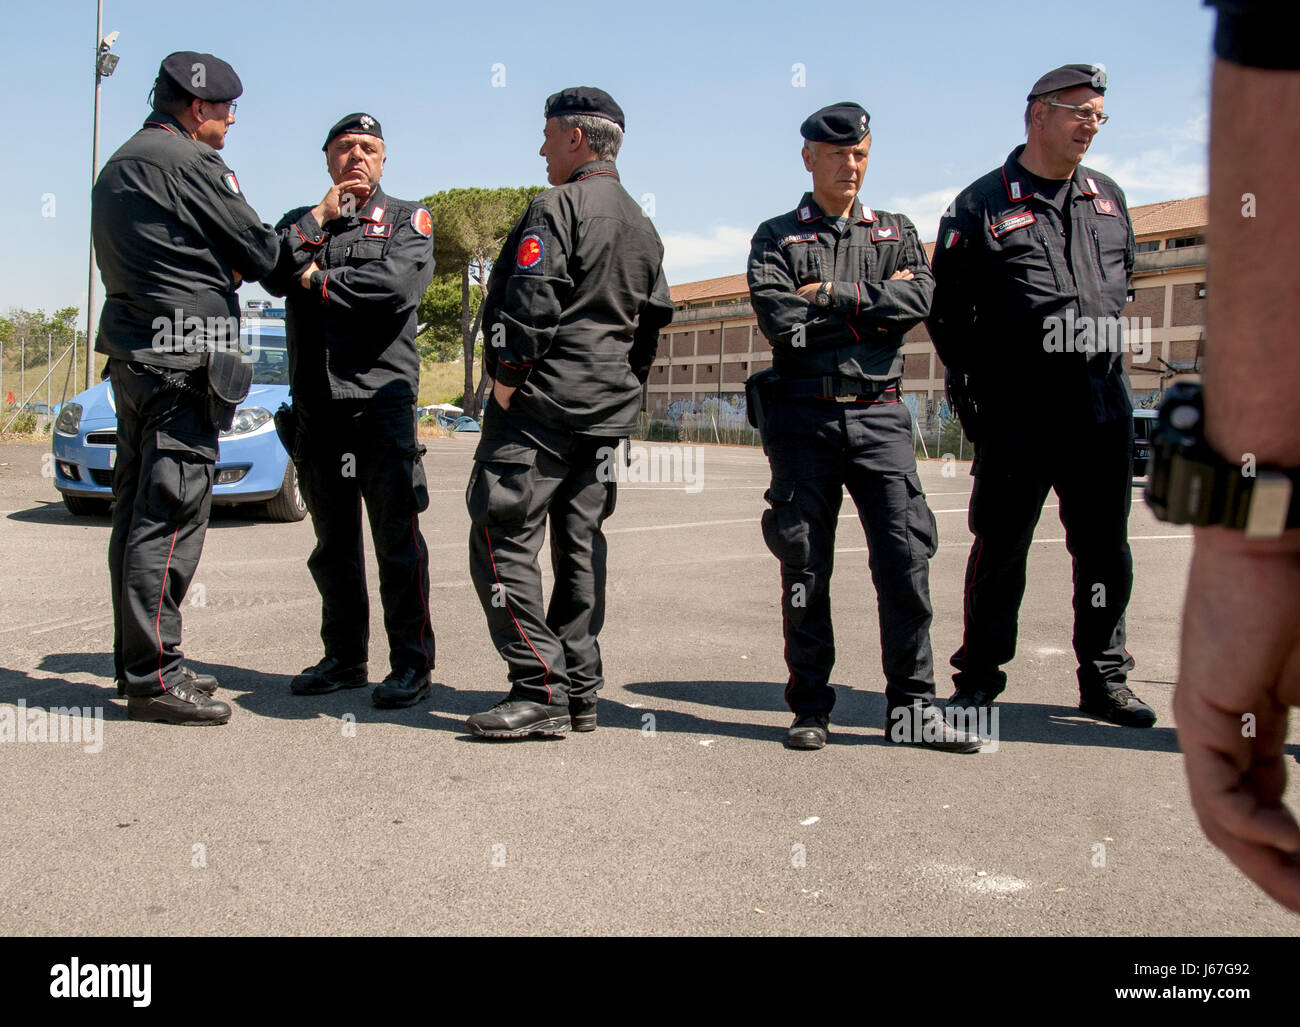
x: 681, y: 814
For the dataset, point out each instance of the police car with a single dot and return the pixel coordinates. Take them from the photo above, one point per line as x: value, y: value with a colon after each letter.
x: 1144, y: 423
x: 252, y: 466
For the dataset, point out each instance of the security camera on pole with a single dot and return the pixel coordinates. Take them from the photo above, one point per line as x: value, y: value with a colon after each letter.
x: 105, y: 63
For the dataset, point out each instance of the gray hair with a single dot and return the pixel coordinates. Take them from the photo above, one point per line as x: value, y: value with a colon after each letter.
x: 1044, y: 97
x: 600, y: 134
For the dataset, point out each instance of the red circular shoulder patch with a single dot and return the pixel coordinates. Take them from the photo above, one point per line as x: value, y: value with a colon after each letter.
x: 530, y: 251
x: 422, y: 221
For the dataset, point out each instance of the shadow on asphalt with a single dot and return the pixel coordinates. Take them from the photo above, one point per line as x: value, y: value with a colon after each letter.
x: 1017, y: 722
x: 268, y: 695
x: 57, y: 514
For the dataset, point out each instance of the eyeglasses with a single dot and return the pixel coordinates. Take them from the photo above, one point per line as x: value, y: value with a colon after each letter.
x: 1081, y: 113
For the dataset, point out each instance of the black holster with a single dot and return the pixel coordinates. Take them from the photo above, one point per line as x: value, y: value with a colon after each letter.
x: 757, y: 389
x: 230, y: 376
x: 286, y: 427
x: 961, y: 398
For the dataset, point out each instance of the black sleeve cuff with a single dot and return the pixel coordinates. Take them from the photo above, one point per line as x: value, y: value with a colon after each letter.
x: 511, y: 375
x: 309, y: 233
x: 1253, y: 35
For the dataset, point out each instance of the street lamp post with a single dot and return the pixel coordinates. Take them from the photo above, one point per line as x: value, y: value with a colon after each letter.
x: 105, y: 63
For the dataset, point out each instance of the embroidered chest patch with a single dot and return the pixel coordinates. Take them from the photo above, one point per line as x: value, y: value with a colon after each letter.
x: 1009, y: 224
x: 790, y: 240
x: 885, y: 233
x: 1105, y: 206
x: 377, y: 231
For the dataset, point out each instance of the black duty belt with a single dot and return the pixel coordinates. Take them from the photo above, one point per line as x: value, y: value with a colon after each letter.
x: 841, y: 390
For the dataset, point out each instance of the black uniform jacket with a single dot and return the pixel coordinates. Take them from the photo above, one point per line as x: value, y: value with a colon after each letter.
x: 170, y: 225
x: 858, y: 336
x: 575, y: 303
x: 352, y: 333
x: 1015, y: 277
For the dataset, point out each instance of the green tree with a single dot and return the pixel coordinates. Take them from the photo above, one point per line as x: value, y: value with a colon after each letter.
x: 440, y: 315
x: 469, y: 226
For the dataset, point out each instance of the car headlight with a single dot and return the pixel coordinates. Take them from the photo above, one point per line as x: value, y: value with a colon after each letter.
x: 69, y: 419
x: 247, y: 419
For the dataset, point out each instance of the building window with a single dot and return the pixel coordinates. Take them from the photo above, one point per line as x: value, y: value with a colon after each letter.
x: 1200, y: 291
x: 1132, y: 296
x: 1186, y: 240
x: 1148, y: 246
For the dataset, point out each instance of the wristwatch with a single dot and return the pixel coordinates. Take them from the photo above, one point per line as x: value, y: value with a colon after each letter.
x: 823, y: 295
x: 1190, y: 483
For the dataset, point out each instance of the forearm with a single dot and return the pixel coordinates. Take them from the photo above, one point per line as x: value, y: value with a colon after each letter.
x: 1253, y: 302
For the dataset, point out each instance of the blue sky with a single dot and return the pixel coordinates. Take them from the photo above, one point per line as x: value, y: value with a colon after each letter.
x: 708, y: 89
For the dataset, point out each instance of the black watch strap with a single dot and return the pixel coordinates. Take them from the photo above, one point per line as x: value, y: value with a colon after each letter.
x: 1207, y: 491
x: 1190, y: 483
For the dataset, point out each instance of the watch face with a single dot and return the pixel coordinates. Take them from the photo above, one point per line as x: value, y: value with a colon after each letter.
x: 823, y: 298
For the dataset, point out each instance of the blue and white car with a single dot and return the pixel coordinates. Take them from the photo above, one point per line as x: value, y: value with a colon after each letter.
x: 252, y: 466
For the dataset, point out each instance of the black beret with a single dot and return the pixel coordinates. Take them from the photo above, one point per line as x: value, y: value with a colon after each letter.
x: 201, y: 75
x: 362, y: 124
x: 841, y: 123
x: 586, y: 101
x: 1069, y: 75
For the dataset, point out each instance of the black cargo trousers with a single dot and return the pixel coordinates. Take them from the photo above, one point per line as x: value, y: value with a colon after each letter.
x: 816, y: 449
x: 525, y: 476
x: 162, y: 486
x: 1092, y: 477
x: 347, y: 450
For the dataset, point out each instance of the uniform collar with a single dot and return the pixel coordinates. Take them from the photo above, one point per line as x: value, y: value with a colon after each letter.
x: 808, y: 211
x: 593, y: 167
x: 376, y: 206
x: 1018, y: 188
x: 160, y: 119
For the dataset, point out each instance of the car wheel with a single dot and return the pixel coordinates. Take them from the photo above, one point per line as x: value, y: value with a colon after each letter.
x: 81, y: 506
x: 289, y: 505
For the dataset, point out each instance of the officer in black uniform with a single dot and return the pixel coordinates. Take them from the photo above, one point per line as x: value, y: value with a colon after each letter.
x: 1032, y: 265
x: 835, y: 286
x: 571, y: 321
x: 174, y: 237
x: 352, y: 270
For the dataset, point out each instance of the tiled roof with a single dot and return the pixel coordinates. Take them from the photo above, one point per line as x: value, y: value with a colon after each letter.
x: 1149, y: 219
x: 710, y: 289
x: 1170, y: 216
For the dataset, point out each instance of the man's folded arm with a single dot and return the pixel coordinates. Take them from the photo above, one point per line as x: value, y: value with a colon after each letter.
x: 393, y: 283
x: 786, y: 318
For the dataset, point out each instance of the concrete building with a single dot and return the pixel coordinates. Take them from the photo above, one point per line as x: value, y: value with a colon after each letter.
x: 714, y: 343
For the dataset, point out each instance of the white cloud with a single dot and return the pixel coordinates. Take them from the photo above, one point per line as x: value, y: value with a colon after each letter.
x: 690, y: 255
x: 925, y: 209
x: 1155, y: 175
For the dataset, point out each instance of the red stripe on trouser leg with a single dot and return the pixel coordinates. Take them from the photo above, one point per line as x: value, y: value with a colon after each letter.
x: 975, y: 567
x: 157, y: 621
x: 419, y: 584
x: 785, y: 650
x: 505, y: 596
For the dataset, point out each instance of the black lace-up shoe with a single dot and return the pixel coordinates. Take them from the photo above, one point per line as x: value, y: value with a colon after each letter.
x: 401, y: 688
x: 924, y: 724
x: 518, y: 718
x: 328, y: 676
x: 582, y: 714
x: 972, y: 699
x: 204, y: 683
x: 179, y: 705
x: 808, y: 731
x: 1119, y: 707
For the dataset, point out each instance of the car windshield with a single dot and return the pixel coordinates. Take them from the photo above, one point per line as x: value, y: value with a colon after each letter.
x: 270, y: 358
